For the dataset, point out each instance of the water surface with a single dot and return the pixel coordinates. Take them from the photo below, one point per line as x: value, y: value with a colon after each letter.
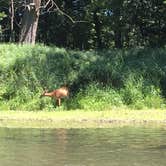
x: 125, y: 146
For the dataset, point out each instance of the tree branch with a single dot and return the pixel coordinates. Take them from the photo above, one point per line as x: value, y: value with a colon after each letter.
x: 57, y: 9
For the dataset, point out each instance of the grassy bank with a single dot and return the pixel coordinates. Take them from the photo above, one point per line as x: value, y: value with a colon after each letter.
x: 98, y: 80
x: 82, y: 119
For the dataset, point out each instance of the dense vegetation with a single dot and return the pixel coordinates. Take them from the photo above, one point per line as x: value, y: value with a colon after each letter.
x: 105, y: 23
x: 98, y: 80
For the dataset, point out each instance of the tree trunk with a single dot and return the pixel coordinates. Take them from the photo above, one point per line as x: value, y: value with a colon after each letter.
x: 30, y: 22
x: 97, y: 28
x: 11, y: 11
x: 118, y: 38
x: 117, y: 30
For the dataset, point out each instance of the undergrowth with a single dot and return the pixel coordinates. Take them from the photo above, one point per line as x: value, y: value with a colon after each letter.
x: 103, y: 80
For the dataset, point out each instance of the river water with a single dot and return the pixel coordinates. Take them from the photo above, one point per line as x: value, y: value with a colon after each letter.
x: 118, y: 146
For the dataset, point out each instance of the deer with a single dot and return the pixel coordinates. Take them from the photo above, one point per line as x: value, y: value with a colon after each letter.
x: 57, y: 94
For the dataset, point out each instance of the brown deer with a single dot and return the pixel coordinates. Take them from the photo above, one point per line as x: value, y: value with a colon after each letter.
x: 57, y: 94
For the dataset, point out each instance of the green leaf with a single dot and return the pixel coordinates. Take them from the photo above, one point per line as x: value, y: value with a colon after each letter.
x: 2, y: 15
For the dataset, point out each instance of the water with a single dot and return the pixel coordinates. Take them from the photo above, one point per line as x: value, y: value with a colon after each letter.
x: 126, y: 146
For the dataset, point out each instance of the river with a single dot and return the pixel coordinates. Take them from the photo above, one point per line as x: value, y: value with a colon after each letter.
x: 118, y: 146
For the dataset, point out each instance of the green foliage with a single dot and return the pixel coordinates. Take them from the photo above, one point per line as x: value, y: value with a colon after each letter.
x: 134, y: 78
x: 96, y: 97
x: 136, y: 94
x: 2, y: 15
x: 103, y: 24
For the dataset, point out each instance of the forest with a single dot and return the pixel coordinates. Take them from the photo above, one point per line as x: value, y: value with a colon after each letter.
x: 84, y: 24
x: 110, y: 53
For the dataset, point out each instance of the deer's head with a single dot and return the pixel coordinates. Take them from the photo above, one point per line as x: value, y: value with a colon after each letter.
x: 43, y: 94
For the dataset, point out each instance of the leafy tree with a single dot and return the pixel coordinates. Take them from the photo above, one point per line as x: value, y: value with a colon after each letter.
x: 86, y: 24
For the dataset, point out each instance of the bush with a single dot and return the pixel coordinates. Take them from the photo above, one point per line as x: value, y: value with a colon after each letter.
x: 96, y: 97
x: 135, y: 78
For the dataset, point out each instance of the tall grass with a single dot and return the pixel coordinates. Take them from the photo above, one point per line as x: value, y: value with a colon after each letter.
x: 134, y: 78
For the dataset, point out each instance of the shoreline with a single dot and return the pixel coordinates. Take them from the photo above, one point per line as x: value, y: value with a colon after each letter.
x: 82, y: 119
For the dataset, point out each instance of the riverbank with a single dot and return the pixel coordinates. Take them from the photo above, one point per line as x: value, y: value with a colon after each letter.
x: 81, y: 119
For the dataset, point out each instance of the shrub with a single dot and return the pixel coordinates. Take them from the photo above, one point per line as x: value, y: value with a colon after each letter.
x: 96, y: 97
x: 135, y: 78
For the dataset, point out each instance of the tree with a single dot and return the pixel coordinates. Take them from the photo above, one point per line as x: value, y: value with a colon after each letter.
x: 31, y: 17
x: 30, y: 21
x: 107, y: 23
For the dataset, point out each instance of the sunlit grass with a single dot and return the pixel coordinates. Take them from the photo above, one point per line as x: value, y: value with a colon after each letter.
x: 81, y: 118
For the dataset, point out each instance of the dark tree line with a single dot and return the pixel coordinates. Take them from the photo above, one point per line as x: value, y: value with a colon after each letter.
x: 84, y: 24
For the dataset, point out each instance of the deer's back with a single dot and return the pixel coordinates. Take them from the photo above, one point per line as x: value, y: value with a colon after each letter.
x: 60, y: 93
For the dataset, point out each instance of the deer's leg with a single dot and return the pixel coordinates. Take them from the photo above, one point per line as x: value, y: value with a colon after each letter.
x: 58, y: 101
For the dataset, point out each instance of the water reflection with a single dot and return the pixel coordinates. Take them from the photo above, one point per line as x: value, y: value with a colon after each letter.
x: 83, y: 147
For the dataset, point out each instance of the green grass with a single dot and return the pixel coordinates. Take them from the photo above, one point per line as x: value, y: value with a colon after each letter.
x: 82, y: 119
x: 104, y: 80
